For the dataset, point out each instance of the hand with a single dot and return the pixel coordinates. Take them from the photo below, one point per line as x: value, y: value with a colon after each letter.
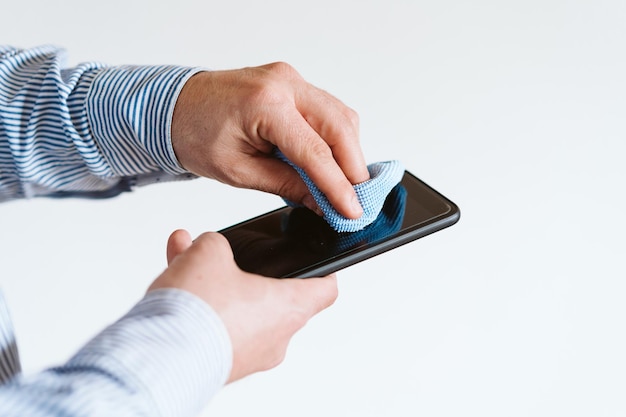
x: 226, y: 124
x: 261, y: 314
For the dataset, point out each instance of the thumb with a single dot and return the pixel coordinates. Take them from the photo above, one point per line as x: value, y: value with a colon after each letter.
x: 177, y: 243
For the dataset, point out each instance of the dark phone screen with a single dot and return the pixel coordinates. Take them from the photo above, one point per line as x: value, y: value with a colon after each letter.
x: 290, y: 241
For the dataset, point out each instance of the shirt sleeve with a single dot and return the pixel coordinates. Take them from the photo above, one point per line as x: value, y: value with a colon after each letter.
x: 9, y: 358
x: 90, y: 130
x: 167, y: 357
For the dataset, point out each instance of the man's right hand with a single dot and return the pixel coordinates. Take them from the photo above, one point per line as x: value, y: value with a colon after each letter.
x: 227, y: 123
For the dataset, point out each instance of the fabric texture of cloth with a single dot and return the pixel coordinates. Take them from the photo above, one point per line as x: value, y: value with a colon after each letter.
x: 371, y: 194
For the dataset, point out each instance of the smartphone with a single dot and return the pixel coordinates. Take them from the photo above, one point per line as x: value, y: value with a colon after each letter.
x: 296, y: 243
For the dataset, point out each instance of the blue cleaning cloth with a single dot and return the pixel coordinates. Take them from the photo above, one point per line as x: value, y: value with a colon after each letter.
x: 388, y: 221
x: 371, y: 194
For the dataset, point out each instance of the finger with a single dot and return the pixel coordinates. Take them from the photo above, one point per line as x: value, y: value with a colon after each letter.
x: 214, y: 245
x: 316, y: 293
x: 337, y: 125
x: 177, y: 243
x: 272, y: 175
x: 305, y: 148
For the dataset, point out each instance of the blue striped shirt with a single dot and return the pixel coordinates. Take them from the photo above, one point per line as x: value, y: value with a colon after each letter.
x: 96, y: 131
x: 87, y: 129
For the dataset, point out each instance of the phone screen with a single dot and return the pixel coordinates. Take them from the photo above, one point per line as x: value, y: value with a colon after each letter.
x: 297, y: 243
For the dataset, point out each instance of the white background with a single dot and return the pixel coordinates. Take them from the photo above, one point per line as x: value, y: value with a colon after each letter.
x: 514, y: 109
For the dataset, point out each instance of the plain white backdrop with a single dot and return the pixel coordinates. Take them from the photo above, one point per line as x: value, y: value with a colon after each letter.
x: 513, y: 109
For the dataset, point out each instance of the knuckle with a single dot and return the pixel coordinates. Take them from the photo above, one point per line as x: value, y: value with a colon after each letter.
x: 265, y: 93
x: 349, y: 114
x: 218, y: 239
x: 317, y: 150
x: 352, y: 116
x: 213, y: 242
x: 283, y: 69
x: 349, y: 130
x: 269, y: 86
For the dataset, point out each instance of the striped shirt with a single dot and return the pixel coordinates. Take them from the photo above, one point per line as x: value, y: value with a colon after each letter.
x: 96, y: 131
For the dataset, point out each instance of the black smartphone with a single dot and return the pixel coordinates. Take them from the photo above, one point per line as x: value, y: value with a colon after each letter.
x: 296, y: 243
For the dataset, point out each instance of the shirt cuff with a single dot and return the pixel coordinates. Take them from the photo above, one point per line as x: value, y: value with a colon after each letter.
x: 172, y: 346
x: 130, y: 110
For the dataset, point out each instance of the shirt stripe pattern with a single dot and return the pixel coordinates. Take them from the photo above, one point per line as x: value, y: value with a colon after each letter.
x: 93, y: 131
x: 84, y: 128
x: 130, y: 111
x: 9, y: 358
x: 166, y: 357
x: 46, y: 144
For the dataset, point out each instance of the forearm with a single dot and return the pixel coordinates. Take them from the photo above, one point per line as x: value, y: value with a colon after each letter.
x: 90, y: 130
x: 167, y: 357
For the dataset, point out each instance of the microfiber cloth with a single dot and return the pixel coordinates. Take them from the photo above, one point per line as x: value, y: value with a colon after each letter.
x: 388, y: 221
x: 371, y: 194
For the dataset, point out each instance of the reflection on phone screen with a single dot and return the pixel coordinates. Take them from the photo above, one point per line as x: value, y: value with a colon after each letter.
x: 291, y: 239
